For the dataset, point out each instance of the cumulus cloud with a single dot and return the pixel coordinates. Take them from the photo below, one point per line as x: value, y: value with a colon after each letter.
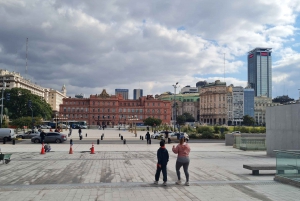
x: 91, y: 45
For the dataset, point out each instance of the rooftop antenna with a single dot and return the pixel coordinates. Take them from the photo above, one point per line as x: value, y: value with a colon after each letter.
x: 26, y: 57
x: 224, y: 67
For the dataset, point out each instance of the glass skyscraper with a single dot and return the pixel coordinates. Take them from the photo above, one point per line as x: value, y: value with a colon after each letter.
x: 249, y: 102
x: 260, y: 71
x: 137, y: 93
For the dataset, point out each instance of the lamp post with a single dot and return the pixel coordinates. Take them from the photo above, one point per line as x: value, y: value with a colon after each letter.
x: 56, y: 114
x: 3, y: 88
x: 174, y: 109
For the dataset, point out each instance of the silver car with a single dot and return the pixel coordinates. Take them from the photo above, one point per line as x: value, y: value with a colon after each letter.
x: 51, y: 137
x: 28, y: 135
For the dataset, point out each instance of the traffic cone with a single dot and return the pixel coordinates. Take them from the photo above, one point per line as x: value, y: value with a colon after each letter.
x: 92, y: 149
x: 43, y: 149
x: 71, y: 150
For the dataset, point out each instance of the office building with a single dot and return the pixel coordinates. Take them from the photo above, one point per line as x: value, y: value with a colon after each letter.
x: 249, y: 102
x: 260, y: 71
x: 237, y: 104
x: 137, y: 93
x: 188, y: 89
x: 260, y: 106
x: 123, y: 92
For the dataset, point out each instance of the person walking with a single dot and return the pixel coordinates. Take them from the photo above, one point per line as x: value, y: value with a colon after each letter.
x: 148, y: 137
x: 162, y: 161
x: 42, y: 135
x: 183, y: 151
x: 79, y: 132
x: 70, y: 131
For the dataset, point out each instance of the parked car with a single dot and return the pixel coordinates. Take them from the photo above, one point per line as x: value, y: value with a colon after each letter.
x: 7, y: 134
x: 51, y: 137
x: 84, y: 127
x: 45, y: 127
x: 28, y: 135
x: 236, y: 132
x: 156, y: 135
x: 175, y: 136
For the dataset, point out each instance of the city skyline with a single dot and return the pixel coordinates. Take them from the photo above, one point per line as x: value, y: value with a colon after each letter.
x: 90, y: 46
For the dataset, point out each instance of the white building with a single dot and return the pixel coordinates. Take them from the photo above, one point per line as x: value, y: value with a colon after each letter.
x: 56, y: 97
x: 237, y: 105
x: 188, y: 89
x: 15, y: 80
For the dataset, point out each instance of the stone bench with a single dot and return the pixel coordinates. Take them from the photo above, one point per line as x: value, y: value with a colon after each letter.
x: 256, y: 167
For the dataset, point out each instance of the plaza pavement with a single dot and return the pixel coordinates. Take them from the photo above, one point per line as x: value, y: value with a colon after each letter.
x: 126, y: 172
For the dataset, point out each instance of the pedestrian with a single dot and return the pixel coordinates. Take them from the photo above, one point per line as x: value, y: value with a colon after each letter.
x: 99, y: 127
x: 79, y: 132
x: 42, y: 135
x: 162, y: 161
x: 47, y: 147
x: 167, y: 137
x: 148, y: 137
x: 70, y: 131
x: 147, y: 128
x: 183, y: 151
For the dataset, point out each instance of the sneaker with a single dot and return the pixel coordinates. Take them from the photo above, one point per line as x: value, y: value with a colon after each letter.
x: 155, y: 182
x: 178, y: 182
x: 187, y: 183
x: 165, y: 183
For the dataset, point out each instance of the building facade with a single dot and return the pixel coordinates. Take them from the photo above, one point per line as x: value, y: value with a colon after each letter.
x: 237, y: 104
x: 56, y: 98
x: 249, y: 102
x: 15, y: 80
x: 137, y: 93
x: 184, y: 102
x: 260, y: 105
x: 123, y: 92
x: 111, y: 110
x: 213, y: 103
x: 260, y: 71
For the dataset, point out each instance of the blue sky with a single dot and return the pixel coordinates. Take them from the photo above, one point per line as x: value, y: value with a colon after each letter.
x: 95, y: 45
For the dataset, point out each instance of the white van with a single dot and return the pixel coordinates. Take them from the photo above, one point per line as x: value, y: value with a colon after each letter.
x: 7, y: 133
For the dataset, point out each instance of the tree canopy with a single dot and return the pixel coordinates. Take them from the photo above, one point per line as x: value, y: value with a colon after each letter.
x: 188, y: 117
x: 282, y: 99
x: 18, y: 107
x: 25, y: 121
x: 248, y: 121
x: 181, y: 119
x: 151, y: 121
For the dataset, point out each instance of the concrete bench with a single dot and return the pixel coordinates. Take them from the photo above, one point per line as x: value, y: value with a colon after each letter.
x: 256, y: 167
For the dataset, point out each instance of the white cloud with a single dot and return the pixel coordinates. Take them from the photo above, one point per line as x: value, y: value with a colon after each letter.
x: 106, y: 44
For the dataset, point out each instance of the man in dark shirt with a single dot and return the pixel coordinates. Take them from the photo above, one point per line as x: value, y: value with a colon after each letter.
x: 42, y: 135
x: 162, y: 161
x: 148, y: 138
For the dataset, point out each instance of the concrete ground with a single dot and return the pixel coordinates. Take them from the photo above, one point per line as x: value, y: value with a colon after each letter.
x: 126, y: 172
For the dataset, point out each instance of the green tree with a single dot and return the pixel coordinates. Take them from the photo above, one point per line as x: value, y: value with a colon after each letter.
x: 151, y: 121
x: 188, y: 117
x: 17, y: 106
x: 181, y: 119
x: 248, y: 121
x: 26, y: 121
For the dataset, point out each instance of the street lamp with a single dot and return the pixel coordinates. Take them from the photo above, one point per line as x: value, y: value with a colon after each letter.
x: 174, y: 109
x: 3, y: 88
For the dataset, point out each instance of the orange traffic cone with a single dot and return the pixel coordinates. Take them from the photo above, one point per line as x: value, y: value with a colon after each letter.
x: 43, y: 149
x: 71, y: 150
x: 92, y: 149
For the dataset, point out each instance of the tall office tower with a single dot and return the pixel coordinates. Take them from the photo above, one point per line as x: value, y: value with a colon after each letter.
x: 137, y: 93
x: 260, y: 71
x: 249, y: 102
x: 123, y: 92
